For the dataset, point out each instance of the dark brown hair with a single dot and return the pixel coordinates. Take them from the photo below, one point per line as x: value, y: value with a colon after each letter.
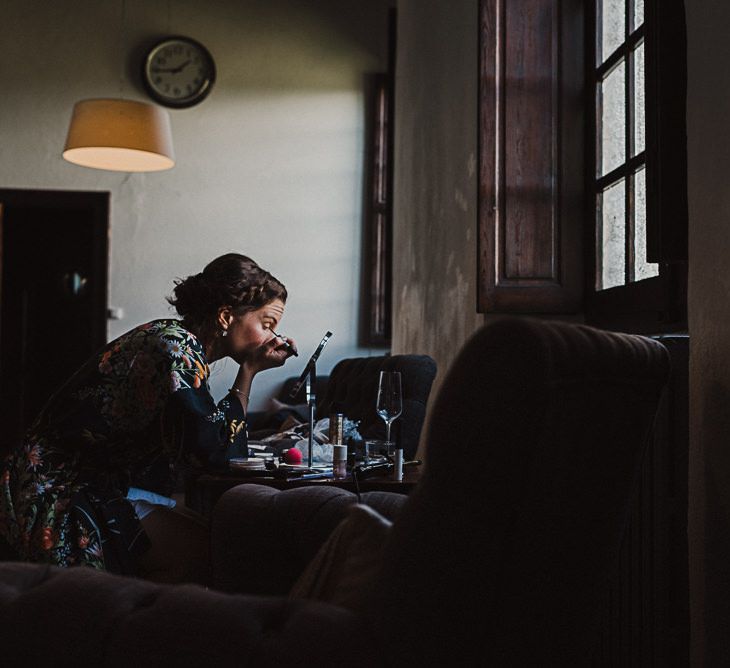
x: 230, y: 280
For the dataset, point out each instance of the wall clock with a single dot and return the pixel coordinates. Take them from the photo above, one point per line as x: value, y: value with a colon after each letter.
x: 178, y: 72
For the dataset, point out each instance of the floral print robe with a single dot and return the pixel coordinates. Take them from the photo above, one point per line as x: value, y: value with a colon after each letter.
x: 134, y: 415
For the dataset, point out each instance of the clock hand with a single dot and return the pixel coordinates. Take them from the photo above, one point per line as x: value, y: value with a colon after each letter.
x: 180, y: 68
x: 172, y: 70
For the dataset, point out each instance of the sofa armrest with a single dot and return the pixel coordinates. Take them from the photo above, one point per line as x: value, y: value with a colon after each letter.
x: 263, y: 538
x: 94, y: 618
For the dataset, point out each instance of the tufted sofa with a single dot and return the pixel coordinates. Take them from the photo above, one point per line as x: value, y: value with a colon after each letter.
x: 80, y: 617
x: 56, y: 617
x: 262, y: 539
x: 500, y: 556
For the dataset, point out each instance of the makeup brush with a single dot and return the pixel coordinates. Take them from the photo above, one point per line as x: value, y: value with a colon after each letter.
x: 290, y: 349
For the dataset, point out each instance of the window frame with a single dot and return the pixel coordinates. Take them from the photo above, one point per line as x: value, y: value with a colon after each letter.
x: 657, y: 304
x: 376, y: 303
x: 508, y: 232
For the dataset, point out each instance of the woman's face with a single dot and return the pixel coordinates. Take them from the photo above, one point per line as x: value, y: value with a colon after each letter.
x: 249, y: 333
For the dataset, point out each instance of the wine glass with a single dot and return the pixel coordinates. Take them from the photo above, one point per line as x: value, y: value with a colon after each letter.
x: 390, y: 401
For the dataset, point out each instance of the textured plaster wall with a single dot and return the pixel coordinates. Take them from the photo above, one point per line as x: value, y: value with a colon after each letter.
x: 269, y: 165
x: 435, y: 225
x: 708, y: 110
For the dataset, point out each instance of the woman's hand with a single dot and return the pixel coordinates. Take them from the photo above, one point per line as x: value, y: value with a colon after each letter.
x: 270, y: 355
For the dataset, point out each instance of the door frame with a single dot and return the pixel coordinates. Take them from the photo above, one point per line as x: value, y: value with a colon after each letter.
x: 97, y: 204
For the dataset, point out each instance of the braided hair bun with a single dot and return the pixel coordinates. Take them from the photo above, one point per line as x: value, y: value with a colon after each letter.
x: 230, y: 280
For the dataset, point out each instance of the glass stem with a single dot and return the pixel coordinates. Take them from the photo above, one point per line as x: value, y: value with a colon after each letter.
x: 387, y: 430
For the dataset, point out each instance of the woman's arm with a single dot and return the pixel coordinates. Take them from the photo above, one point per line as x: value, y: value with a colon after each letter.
x: 194, y: 427
x: 271, y: 355
x: 202, y: 433
x: 241, y: 387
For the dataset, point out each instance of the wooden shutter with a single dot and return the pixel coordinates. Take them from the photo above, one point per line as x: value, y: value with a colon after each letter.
x: 532, y: 129
x: 666, y: 129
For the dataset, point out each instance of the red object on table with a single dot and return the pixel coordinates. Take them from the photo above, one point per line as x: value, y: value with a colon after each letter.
x: 293, y: 456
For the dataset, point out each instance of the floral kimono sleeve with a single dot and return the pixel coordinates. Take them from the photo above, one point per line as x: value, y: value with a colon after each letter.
x: 203, y: 433
x: 194, y: 427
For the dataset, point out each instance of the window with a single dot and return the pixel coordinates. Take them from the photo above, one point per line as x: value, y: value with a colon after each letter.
x: 377, y: 281
x: 636, y: 254
x: 376, y: 288
x: 582, y: 161
x: 620, y: 184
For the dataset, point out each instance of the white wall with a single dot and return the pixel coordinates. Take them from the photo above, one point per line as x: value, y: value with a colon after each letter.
x: 270, y: 164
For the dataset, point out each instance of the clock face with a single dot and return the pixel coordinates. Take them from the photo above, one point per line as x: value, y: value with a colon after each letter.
x: 178, y: 72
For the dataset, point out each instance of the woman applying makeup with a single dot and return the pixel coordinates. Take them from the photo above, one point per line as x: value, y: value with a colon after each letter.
x: 92, y: 482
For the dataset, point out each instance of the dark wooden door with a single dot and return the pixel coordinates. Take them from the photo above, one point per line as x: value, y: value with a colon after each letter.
x: 53, y: 295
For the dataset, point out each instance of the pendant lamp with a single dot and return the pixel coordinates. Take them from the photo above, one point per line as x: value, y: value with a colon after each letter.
x: 119, y: 135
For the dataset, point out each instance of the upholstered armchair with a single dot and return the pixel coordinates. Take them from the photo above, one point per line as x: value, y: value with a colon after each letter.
x: 351, y: 388
x: 500, y: 556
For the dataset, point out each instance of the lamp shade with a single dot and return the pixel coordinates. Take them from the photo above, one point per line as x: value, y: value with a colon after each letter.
x: 120, y: 135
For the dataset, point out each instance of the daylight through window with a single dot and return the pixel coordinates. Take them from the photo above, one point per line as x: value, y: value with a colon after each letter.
x: 620, y: 182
